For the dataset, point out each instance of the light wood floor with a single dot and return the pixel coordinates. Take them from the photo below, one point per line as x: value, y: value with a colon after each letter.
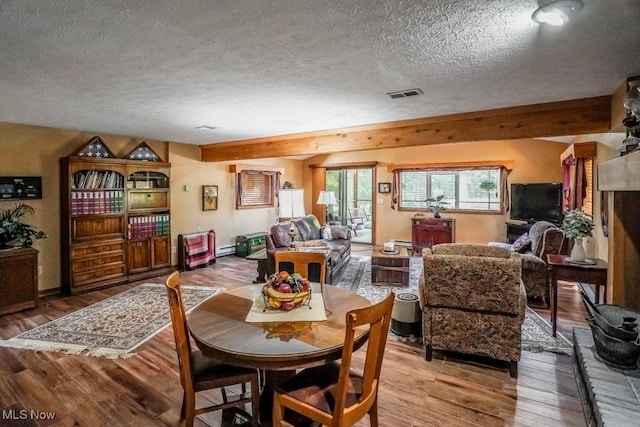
x: 144, y: 390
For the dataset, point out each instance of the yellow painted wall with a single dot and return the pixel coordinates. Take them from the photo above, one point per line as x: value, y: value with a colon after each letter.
x: 227, y: 221
x: 534, y: 161
x: 35, y: 151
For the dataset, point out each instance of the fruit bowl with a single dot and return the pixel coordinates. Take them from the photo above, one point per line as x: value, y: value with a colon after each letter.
x: 284, y: 291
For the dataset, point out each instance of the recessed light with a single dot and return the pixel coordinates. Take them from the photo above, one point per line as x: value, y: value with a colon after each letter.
x: 557, y: 12
x: 206, y: 127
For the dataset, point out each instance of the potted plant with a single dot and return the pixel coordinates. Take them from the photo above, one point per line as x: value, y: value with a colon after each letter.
x: 577, y: 225
x: 436, y: 205
x: 14, y: 232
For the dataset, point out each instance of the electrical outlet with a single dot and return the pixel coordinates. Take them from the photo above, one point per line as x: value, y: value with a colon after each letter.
x: 380, y: 200
x: 39, y: 270
x: 197, y: 228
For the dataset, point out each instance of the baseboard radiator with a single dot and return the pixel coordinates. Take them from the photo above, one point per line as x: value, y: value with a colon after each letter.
x: 226, y: 250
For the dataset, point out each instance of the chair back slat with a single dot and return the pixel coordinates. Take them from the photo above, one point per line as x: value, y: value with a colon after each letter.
x: 180, y: 330
x: 377, y: 317
x: 301, y: 261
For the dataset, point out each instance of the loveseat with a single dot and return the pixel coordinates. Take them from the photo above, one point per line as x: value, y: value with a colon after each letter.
x: 543, y: 238
x: 309, y: 235
x: 473, y: 301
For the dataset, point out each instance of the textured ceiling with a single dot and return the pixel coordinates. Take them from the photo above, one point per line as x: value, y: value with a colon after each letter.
x: 159, y: 69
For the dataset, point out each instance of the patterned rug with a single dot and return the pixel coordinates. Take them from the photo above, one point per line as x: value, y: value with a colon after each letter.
x: 536, y: 331
x: 113, y: 327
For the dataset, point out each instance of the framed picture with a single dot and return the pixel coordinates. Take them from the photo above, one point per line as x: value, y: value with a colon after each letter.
x: 384, y: 187
x: 209, y: 197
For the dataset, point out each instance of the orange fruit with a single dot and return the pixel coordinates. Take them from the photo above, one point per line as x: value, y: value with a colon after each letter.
x: 283, y: 275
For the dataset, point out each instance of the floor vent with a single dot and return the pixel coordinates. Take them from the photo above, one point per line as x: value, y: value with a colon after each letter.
x: 405, y: 93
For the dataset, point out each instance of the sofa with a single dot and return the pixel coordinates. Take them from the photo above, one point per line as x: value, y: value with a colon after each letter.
x: 533, y: 246
x: 309, y: 234
x: 473, y: 301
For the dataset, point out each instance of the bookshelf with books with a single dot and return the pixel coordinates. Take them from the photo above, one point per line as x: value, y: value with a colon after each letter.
x: 148, y: 217
x: 113, y: 230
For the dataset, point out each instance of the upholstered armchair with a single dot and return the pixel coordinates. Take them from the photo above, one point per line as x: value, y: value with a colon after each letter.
x: 542, y: 238
x: 473, y: 301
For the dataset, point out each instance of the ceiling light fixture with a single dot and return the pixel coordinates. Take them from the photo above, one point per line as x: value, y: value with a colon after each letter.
x: 557, y: 12
x: 206, y: 127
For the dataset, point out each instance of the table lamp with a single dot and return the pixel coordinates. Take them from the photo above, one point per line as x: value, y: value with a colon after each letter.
x: 291, y: 206
x: 327, y: 198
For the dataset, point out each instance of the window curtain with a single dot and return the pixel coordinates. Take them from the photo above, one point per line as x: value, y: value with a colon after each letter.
x: 574, y: 183
x: 257, y: 172
x: 395, y: 185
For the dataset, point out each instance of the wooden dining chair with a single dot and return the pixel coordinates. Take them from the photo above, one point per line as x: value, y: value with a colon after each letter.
x: 301, y: 261
x: 331, y: 394
x: 198, y: 372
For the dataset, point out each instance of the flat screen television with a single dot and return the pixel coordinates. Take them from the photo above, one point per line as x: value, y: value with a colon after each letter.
x: 537, y: 202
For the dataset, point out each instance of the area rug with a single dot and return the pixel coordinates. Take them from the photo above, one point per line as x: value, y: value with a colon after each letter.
x: 113, y: 327
x: 536, y: 331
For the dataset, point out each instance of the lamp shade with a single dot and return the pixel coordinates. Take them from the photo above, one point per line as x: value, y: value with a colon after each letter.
x: 327, y: 198
x: 291, y: 203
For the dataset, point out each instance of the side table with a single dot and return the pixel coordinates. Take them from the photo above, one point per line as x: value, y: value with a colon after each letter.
x: 561, y: 269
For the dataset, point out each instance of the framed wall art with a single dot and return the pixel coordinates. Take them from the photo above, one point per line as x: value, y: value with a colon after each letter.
x: 384, y: 187
x: 209, y: 197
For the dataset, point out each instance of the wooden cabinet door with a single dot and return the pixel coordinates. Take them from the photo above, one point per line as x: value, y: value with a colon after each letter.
x: 440, y: 235
x: 138, y: 256
x: 160, y: 251
x: 18, y: 279
x: 421, y: 237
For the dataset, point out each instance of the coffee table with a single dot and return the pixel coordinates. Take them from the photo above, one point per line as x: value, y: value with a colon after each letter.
x: 390, y: 269
x: 263, y: 264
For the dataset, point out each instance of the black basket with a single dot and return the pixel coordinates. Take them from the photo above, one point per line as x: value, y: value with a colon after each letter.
x: 621, y: 354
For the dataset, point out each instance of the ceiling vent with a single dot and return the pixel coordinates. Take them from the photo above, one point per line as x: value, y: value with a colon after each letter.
x: 206, y: 127
x: 405, y: 93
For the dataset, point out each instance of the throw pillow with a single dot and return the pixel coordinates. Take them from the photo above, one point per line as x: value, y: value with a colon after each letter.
x: 280, y: 234
x: 310, y: 244
x: 326, y: 232
x: 339, y: 232
x: 521, y: 244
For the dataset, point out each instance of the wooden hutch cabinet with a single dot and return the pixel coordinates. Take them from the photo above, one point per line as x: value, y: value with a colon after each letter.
x: 115, y: 218
x: 426, y: 232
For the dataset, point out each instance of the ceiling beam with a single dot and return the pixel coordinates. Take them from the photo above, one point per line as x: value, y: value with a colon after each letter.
x: 575, y: 117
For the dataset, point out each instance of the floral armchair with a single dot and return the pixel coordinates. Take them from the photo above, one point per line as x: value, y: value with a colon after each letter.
x: 473, y: 301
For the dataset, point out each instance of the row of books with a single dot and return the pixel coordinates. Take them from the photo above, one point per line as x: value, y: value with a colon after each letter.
x: 97, y: 179
x: 96, y: 202
x: 147, y: 226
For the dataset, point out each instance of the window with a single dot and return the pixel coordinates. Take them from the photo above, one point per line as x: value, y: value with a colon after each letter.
x: 463, y: 189
x: 255, y: 190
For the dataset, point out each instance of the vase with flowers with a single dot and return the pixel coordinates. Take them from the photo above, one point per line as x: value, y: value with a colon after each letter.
x: 577, y: 225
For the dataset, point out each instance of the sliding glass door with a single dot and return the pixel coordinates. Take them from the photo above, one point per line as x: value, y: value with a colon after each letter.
x: 353, y: 188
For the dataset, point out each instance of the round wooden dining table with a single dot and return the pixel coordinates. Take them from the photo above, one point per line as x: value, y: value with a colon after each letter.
x: 220, y: 331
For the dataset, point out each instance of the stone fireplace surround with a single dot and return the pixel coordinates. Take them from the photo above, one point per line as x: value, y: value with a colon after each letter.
x: 611, y: 397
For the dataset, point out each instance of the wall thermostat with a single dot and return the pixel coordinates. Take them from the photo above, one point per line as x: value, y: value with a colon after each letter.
x: 20, y: 187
